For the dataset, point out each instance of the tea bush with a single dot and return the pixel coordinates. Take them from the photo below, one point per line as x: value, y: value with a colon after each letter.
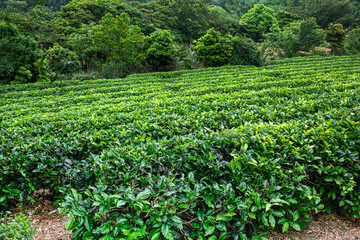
x: 214, y: 153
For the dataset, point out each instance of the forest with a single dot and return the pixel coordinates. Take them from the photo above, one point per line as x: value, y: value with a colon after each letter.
x: 49, y: 40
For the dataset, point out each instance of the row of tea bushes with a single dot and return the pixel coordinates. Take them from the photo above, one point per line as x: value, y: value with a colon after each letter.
x: 206, y: 154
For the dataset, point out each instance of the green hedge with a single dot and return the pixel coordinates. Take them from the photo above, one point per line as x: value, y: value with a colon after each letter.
x: 209, y: 154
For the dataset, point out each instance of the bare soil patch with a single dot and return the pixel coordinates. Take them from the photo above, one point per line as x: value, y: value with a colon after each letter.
x: 51, y: 226
x: 325, y: 227
x: 45, y: 219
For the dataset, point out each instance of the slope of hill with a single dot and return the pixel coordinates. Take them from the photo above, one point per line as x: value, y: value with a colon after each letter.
x: 214, y: 152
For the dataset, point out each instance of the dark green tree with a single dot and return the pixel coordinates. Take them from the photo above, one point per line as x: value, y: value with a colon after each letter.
x: 245, y: 52
x: 191, y: 18
x: 297, y: 36
x: 82, y: 44
x: 238, y: 8
x: 223, y: 22
x: 118, y: 39
x: 153, y: 16
x: 121, y: 43
x: 20, y: 56
x: 52, y: 4
x: 14, y: 6
x: 352, y: 41
x: 335, y: 35
x: 284, y: 18
x: 259, y: 20
x: 161, y: 49
x: 330, y: 11
x: 213, y: 49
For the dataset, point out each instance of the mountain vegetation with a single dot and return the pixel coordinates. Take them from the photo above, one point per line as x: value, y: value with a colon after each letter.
x: 229, y: 152
x: 141, y: 120
x: 86, y: 39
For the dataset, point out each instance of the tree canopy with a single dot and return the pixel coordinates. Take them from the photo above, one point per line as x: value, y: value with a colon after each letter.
x: 90, y: 34
x: 259, y: 20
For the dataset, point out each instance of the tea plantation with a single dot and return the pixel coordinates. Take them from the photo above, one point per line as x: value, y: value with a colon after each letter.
x: 217, y: 153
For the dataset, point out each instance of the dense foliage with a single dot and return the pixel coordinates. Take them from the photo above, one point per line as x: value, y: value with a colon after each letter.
x: 70, y: 31
x: 19, y: 62
x: 259, y: 21
x: 335, y: 35
x: 119, y: 41
x: 161, y: 50
x: 210, y: 153
x: 213, y: 49
x: 352, y: 41
x: 298, y: 36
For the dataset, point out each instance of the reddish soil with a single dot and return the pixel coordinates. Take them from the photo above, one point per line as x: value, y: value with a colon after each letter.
x: 51, y: 226
x: 327, y: 227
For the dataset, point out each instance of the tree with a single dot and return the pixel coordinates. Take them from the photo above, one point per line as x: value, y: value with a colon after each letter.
x: 259, y: 21
x: 213, y: 49
x: 223, y: 22
x: 191, y: 18
x: 79, y: 12
x: 20, y: 56
x: 297, y: 36
x: 53, y: 4
x: 335, y: 35
x: 82, y: 44
x: 14, y: 6
x: 245, y: 52
x: 63, y: 59
x: 330, y: 11
x: 237, y: 8
x: 284, y: 18
x: 118, y: 39
x: 154, y: 16
x: 161, y: 49
x: 352, y: 41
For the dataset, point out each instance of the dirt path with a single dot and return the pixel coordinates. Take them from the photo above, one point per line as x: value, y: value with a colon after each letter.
x: 330, y: 227
x: 51, y: 226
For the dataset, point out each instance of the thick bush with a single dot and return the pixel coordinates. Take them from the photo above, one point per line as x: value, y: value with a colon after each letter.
x: 245, y: 52
x: 259, y: 20
x: 297, y: 36
x: 335, y: 35
x: 352, y: 41
x: 213, y: 49
x: 161, y: 50
x: 19, y: 62
x: 63, y: 60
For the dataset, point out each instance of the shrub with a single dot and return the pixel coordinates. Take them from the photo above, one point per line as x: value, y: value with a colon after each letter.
x: 63, y: 60
x: 245, y: 52
x: 352, y: 41
x: 335, y: 36
x: 18, y: 226
x: 161, y: 49
x: 213, y: 49
x: 284, y: 18
x: 298, y: 36
x: 259, y: 21
x: 19, y: 55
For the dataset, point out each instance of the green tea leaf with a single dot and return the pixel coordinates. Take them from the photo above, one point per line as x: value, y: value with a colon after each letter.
x: 295, y: 226
x: 285, y: 227
x: 272, y: 221
x: 69, y: 225
x: 209, y: 230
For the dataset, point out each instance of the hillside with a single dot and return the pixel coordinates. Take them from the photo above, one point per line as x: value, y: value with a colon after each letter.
x: 209, y: 153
